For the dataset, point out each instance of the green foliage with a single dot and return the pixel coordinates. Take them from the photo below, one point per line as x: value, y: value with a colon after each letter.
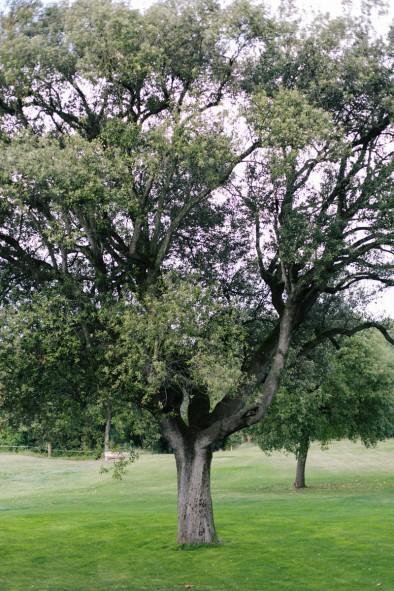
x: 60, y: 369
x: 183, y: 338
x: 331, y: 395
x: 9, y: 437
x: 62, y: 366
x: 43, y: 373
x: 287, y: 120
x: 363, y: 373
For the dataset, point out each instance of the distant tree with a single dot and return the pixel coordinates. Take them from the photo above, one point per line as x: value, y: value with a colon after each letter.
x: 332, y: 395
x: 44, y: 371
x: 58, y: 376
x: 137, y: 144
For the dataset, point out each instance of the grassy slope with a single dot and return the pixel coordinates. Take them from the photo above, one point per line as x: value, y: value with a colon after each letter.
x: 65, y: 527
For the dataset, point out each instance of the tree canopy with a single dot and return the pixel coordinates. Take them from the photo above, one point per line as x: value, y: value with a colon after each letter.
x: 331, y: 394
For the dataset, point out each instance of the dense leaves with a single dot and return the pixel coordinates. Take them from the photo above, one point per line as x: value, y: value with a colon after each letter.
x: 332, y: 394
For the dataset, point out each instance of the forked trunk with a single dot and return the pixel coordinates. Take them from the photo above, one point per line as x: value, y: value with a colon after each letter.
x: 192, y: 439
x: 195, y: 512
x: 302, y: 455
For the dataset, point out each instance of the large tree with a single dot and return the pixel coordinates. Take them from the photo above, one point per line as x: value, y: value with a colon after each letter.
x: 138, y: 143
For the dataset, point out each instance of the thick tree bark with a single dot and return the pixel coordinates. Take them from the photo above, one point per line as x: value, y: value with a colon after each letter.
x: 195, y: 512
x: 301, y: 462
x: 193, y: 463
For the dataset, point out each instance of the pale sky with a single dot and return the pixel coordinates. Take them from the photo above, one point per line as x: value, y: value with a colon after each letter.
x: 332, y: 6
x: 383, y: 305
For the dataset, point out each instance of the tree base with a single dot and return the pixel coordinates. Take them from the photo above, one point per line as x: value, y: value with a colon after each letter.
x: 196, y: 525
x: 299, y: 486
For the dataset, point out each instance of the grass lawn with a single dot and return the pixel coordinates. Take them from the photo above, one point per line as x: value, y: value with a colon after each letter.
x: 66, y: 527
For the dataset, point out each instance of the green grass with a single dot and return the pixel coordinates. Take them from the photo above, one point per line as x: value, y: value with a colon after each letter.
x: 66, y: 527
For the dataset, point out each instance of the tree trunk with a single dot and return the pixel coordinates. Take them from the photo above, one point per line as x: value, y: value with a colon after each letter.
x: 49, y: 449
x: 195, y: 512
x: 107, y: 432
x: 301, y: 461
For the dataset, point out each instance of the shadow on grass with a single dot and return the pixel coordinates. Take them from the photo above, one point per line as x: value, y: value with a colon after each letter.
x: 194, y: 547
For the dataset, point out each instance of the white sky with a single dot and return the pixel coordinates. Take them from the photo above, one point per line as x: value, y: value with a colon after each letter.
x: 332, y: 6
x: 384, y: 304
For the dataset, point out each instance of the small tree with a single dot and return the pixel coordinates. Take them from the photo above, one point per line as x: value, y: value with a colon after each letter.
x: 332, y: 395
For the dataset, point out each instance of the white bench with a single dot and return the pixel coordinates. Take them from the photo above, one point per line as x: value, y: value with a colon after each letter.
x: 115, y: 455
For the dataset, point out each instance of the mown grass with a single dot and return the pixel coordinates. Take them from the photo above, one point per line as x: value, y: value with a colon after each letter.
x: 66, y: 527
